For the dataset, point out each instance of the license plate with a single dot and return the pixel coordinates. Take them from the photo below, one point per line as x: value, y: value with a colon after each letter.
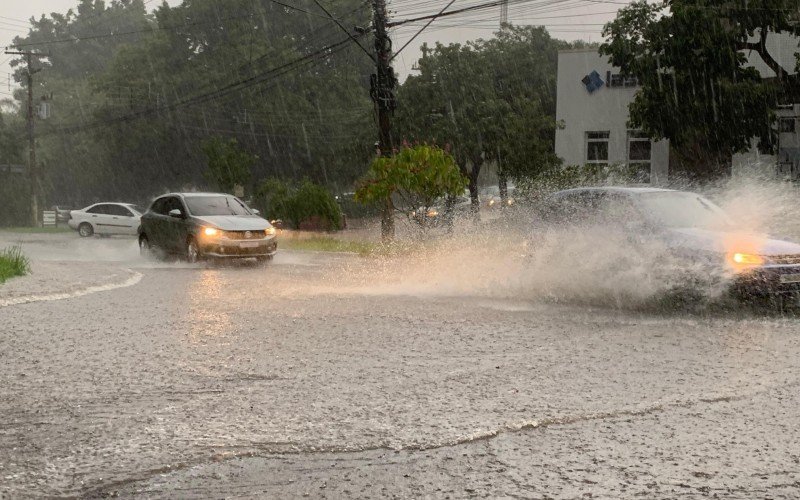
x: 248, y: 244
x: 790, y: 278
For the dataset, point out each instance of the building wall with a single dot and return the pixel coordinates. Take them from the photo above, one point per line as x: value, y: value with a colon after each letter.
x: 605, y: 109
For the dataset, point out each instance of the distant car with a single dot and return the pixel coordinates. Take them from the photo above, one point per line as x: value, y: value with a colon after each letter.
x: 491, y: 199
x: 436, y: 214
x: 206, y: 225
x: 106, y: 219
x: 691, y: 227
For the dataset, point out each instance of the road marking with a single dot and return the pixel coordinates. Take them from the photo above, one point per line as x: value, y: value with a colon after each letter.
x: 135, y: 278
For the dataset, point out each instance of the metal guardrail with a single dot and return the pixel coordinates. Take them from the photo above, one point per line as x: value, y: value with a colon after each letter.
x: 48, y: 218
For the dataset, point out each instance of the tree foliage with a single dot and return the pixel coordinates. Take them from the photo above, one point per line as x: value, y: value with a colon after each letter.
x: 228, y: 164
x: 697, y: 89
x: 120, y: 125
x: 417, y: 176
x: 305, y: 206
x: 491, y: 99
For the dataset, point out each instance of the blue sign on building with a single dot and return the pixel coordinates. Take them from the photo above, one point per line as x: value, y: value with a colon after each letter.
x: 592, y: 81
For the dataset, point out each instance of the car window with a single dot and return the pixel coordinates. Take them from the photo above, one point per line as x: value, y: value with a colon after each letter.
x: 98, y: 209
x: 157, y: 207
x: 172, y: 203
x: 119, y: 211
x: 216, y: 205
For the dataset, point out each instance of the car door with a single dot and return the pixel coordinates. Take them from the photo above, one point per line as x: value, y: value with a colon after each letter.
x: 155, y: 224
x: 100, y: 218
x: 122, y: 220
x: 175, y: 228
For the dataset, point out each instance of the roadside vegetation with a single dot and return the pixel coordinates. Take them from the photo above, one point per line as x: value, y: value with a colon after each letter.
x: 13, y: 263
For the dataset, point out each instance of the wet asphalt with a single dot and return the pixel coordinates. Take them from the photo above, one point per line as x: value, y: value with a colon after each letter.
x: 305, y: 378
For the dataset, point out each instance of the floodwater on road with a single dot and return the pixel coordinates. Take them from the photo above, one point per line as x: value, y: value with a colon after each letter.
x: 332, y: 375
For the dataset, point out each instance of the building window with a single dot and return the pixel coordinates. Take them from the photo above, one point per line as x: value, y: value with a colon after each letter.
x: 597, y: 147
x: 786, y: 125
x: 639, y: 155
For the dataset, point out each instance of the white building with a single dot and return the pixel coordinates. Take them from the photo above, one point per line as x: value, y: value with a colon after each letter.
x: 592, y: 105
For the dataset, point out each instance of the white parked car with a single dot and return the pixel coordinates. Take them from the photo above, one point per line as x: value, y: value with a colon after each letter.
x: 106, y: 218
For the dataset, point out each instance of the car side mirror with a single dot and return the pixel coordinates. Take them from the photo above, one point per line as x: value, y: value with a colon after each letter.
x: 255, y: 212
x: 176, y: 212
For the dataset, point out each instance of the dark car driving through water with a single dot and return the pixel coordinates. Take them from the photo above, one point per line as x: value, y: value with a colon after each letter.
x: 691, y: 228
x: 206, y: 225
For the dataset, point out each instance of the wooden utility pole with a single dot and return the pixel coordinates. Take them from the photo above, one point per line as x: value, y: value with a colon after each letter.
x: 33, y: 174
x: 502, y: 177
x: 382, y: 86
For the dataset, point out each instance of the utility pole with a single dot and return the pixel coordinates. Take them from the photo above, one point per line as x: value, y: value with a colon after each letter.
x: 382, y: 86
x: 33, y: 174
x: 502, y: 177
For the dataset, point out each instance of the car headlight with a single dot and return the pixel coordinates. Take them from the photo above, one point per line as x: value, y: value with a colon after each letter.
x: 270, y: 231
x: 210, y: 231
x: 740, y: 260
x: 491, y: 202
x: 432, y: 213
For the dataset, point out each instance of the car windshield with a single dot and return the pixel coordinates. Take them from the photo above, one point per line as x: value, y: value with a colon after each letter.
x: 136, y: 208
x: 680, y: 209
x: 215, y: 205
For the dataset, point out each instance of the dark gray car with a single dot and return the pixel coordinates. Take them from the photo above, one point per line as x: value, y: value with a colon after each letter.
x: 202, y: 225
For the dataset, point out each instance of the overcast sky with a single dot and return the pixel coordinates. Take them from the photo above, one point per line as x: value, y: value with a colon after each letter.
x: 565, y: 19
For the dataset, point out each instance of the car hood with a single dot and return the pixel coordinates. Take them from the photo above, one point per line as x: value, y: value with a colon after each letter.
x: 234, y: 222
x: 729, y: 241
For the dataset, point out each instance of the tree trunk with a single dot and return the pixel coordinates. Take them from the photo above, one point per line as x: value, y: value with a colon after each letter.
x: 502, y: 184
x: 387, y: 221
x: 477, y: 163
x: 449, y: 204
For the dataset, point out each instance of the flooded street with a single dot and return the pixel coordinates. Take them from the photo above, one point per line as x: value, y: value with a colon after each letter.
x: 295, y: 379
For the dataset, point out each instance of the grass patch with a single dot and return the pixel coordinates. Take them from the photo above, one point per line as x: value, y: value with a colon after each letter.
x: 13, y: 263
x: 328, y: 244
x: 36, y: 230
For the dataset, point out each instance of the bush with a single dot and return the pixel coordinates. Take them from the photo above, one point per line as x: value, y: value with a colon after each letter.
x: 13, y: 263
x: 307, y: 206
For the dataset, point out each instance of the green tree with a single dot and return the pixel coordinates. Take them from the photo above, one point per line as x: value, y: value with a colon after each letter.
x: 521, y: 138
x: 414, y: 177
x: 697, y: 89
x: 14, y: 187
x: 228, y: 164
x: 121, y: 127
x: 450, y: 102
x: 489, y: 100
x: 308, y: 204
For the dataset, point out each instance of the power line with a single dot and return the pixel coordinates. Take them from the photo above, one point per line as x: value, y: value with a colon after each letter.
x: 423, y: 28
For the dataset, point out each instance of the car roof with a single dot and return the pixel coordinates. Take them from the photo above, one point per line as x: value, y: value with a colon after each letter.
x: 194, y: 194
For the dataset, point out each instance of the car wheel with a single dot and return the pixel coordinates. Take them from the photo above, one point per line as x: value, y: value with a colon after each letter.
x: 263, y: 259
x: 85, y: 230
x: 192, y: 251
x: 145, y: 249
